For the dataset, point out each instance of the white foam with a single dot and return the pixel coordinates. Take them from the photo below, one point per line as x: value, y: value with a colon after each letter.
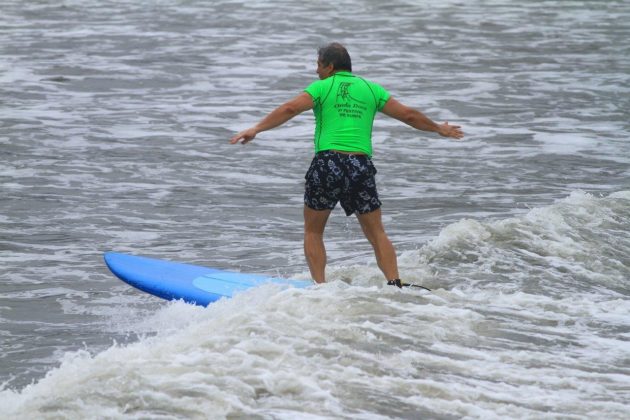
x: 305, y: 349
x: 565, y: 143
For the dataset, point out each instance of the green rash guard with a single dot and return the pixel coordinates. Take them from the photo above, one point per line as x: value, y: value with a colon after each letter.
x: 344, y: 106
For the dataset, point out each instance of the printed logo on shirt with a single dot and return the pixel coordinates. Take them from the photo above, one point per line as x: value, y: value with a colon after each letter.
x: 348, y: 106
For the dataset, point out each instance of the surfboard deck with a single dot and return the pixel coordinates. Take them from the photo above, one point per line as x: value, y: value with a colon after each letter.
x: 192, y: 283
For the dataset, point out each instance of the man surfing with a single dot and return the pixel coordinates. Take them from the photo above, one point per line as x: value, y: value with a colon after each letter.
x: 342, y: 171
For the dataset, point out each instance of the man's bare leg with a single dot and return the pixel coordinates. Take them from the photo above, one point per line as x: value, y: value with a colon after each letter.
x: 314, y: 249
x: 383, y: 249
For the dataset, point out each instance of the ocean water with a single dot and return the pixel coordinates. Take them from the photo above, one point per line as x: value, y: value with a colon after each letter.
x: 114, y: 125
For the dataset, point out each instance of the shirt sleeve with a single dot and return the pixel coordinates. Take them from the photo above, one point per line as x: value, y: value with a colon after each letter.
x: 315, y: 90
x: 382, y: 96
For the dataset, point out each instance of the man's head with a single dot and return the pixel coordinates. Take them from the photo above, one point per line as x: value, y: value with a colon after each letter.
x: 332, y: 58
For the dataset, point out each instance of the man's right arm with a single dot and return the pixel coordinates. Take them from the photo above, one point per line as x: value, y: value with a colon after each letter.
x: 419, y: 121
x: 277, y: 117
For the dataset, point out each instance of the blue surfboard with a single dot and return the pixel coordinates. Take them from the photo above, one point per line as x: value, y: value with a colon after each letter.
x: 192, y: 283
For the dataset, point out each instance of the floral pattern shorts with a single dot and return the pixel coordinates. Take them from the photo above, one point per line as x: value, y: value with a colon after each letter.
x: 338, y: 177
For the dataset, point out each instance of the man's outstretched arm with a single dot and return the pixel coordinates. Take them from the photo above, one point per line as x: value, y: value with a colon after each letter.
x: 277, y: 117
x: 419, y: 121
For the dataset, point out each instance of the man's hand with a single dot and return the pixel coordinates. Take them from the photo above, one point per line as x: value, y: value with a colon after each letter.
x: 244, y: 136
x: 453, y: 131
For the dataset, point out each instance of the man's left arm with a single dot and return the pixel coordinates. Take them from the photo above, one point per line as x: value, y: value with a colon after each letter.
x: 419, y: 121
x: 278, y: 116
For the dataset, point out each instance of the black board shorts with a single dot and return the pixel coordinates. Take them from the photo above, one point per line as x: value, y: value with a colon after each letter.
x: 338, y: 177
